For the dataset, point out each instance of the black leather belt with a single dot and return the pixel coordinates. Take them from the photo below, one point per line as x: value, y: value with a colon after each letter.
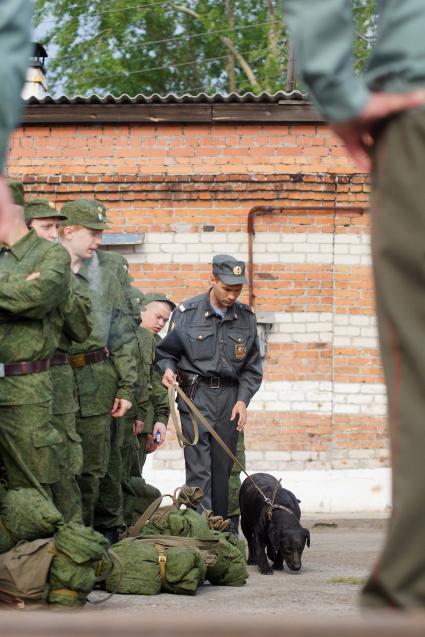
x: 215, y: 382
x: 23, y: 368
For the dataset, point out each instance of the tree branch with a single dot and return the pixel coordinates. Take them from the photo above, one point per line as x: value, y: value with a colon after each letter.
x: 227, y: 43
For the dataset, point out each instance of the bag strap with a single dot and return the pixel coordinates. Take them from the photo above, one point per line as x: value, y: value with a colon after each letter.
x: 136, y: 528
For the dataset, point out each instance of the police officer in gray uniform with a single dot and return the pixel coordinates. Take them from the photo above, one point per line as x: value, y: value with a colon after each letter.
x: 212, y: 351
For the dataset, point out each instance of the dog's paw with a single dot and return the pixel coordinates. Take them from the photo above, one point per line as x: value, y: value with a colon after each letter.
x: 251, y: 561
x: 266, y: 570
x: 278, y: 567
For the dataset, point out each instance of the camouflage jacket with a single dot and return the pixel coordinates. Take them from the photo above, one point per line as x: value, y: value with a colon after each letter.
x: 152, y: 398
x: 118, y: 265
x: 76, y: 327
x: 29, y: 325
x: 99, y: 383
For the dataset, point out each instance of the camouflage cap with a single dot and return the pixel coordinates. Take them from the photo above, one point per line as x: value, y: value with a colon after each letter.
x: 41, y: 209
x: 85, y: 212
x: 150, y: 297
x: 135, y: 297
x: 17, y: 190
x: 229, y: 270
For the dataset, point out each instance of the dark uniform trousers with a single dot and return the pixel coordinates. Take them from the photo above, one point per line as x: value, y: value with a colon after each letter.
x: 207, y: 464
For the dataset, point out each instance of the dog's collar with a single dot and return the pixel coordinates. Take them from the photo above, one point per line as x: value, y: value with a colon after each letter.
x: 273, y: 507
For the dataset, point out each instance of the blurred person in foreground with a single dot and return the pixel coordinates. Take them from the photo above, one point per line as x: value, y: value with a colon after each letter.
x: 381, y: 119
x: 15, y: 50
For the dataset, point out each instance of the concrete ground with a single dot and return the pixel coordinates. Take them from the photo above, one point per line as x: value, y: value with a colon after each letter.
x: 343, y: 550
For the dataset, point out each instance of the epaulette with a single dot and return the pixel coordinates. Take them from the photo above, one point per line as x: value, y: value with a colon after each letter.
x: 245, y: 306
x: 188, y: 306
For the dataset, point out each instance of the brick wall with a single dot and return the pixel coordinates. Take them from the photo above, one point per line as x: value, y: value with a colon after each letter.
x: 189, y: 189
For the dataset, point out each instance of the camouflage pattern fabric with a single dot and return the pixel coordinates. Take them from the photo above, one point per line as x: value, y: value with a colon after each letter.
x: 30, y: 331
x: 77, y: 326
x: 99, y: 383
x: 235, y: 478
x: 118, y: 265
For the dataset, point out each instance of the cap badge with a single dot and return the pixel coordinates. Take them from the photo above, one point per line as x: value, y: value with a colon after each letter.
x: 52, y: 205
x: 100, y: 216
x: 237, y: 270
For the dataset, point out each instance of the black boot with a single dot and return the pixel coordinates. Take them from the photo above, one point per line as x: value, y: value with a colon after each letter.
x: 234, y: 525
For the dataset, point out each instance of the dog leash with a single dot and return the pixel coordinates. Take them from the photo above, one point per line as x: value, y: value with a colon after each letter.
x: 195, y: 416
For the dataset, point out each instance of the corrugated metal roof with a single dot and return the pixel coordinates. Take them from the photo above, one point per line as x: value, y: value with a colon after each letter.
x: 172, y: 98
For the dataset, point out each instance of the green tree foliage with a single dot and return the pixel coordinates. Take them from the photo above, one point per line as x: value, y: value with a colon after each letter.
x: 186, y: 46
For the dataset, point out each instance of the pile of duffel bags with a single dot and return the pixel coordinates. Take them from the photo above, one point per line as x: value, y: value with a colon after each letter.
x: 169, y: 549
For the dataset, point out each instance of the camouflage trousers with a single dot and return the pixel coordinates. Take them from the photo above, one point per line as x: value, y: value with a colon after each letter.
x: 108, y: 513
x: 66, y: 492
x: 95, y: 432
x: 29, y: 445
x: 235, y: 478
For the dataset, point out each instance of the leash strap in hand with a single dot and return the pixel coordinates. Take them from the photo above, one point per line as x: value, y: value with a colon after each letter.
x: 195, y: 416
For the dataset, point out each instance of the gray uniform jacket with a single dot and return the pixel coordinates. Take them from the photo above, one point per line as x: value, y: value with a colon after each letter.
x: 323, y: 34
x: 201, y: 342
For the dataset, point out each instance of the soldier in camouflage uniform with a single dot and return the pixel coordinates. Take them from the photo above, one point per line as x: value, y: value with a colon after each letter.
x: 103, y: 365
x: 41, y: 215
x: 118, y: 265
x: 35, y: 281
x: 152, y: 401
x: 156, y: 310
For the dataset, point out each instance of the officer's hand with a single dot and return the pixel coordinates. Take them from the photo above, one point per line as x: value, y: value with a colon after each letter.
x: 33, y: 275
x: 160, y: 428
x: 357, y: 134
x: 120, y: 407
x: 138, y: 427
x: 239, y: 410
x: 169, y: 378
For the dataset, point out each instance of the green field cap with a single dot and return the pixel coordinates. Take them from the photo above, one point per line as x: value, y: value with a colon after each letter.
x: 151, y: 297
x: 85, y: 212
x: 41, y: 209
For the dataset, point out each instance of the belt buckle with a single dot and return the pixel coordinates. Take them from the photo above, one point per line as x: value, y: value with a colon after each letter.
x: 2, y: 371
x: 78, y: 360
x: 215, y: 382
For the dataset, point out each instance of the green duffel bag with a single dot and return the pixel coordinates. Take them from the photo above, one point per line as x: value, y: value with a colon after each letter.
x: 230, y: 568
x: 177, y: 522
x: 72, y: 576
x: 28, y: 515
x: 149, y: 567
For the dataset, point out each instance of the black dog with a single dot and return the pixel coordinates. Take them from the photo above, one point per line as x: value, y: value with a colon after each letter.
x: 276, y: 528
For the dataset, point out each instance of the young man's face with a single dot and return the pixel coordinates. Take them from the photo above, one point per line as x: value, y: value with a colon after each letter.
x: 46, y: 228
x: 155, y: 316
x: 82, y: 242
x: 223, y: 295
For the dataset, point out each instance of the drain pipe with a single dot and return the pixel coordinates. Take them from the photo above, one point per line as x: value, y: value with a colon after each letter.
x: 258, y: 211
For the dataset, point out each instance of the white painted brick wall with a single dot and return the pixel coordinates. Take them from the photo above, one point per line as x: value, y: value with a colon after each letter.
x: 269, y: 247
x: 321, y: 397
